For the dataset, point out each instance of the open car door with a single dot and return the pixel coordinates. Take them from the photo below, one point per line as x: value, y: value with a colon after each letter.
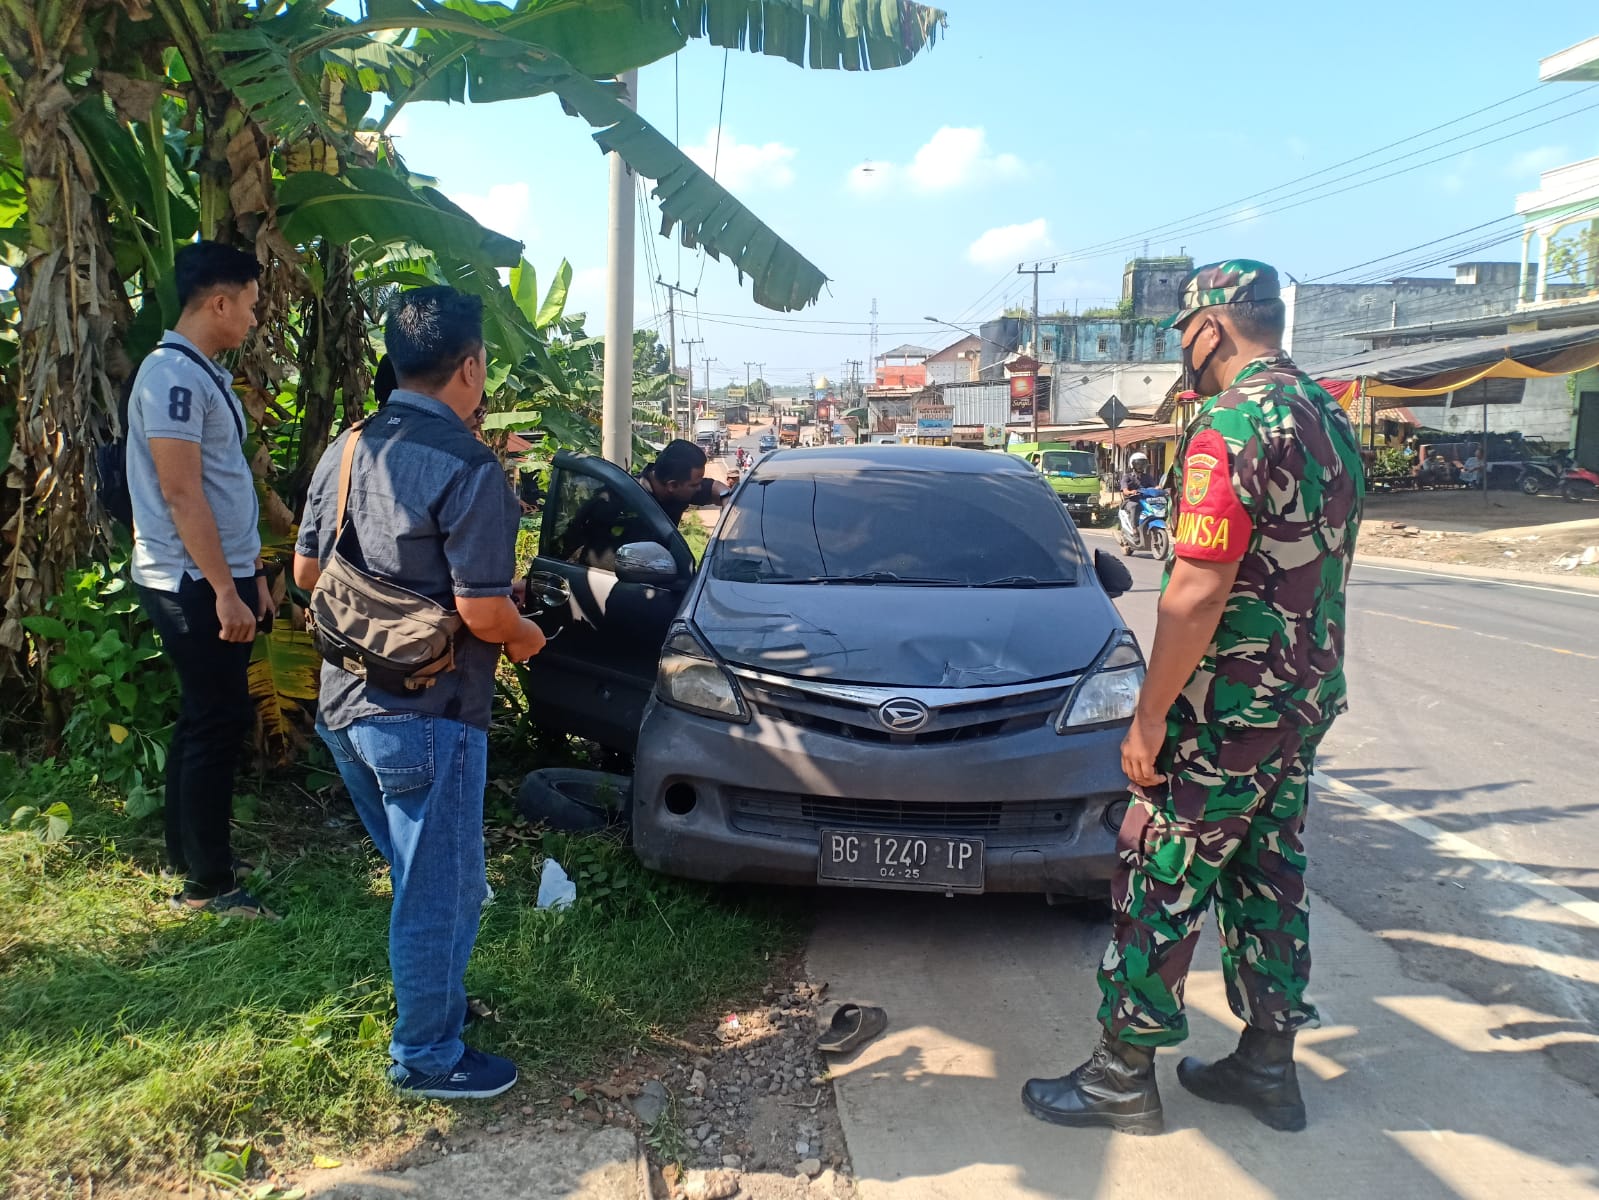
x: 605, y: 610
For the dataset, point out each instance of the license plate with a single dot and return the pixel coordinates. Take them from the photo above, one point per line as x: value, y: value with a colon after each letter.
x: 913, y: 861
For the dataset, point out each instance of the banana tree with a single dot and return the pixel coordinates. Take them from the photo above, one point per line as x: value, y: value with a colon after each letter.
x: 69, y: 301
x: 477, y: 51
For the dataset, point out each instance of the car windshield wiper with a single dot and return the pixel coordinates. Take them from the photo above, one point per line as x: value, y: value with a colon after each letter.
x: 888, y: 577
x: 1025, y: 581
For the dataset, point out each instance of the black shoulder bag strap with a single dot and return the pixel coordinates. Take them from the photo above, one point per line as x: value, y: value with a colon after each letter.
x: 228, y: 398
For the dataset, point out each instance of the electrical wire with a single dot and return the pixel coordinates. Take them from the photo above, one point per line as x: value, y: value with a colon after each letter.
x: 716, y: 155
x: 1161, y: 230
x: 1177, y: 228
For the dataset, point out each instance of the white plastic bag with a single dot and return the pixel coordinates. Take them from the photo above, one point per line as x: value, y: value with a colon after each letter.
x: 555, y: 889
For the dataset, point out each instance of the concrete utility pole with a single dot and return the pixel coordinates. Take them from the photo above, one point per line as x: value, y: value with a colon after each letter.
x: 672, y: 291
x: 688, y: 407
x: 616, y: 413
x: 1035, y: 272
x: 708, y: 363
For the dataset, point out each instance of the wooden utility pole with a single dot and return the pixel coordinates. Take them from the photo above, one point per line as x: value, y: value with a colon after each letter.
x: 1035, y: 271
x: 672, y: 292
x: 688, y: 407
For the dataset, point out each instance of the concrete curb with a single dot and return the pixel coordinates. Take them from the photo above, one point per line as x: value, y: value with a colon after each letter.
x: 1562, y: 582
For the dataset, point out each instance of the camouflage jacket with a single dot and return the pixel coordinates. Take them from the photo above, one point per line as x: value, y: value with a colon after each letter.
x: 1271, y: 477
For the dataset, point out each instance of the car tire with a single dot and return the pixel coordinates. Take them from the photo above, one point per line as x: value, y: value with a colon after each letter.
x: 575, y: 801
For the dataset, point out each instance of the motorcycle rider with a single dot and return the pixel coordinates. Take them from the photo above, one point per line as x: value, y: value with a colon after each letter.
x: 1134, y: 479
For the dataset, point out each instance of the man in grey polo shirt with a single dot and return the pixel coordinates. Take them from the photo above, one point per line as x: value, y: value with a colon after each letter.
x: 196, y: 561
x: 431, y: 511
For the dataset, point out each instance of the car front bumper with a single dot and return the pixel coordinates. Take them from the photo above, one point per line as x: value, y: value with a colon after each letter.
x: 746, y: 803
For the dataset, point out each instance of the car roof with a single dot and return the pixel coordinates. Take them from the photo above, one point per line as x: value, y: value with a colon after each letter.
x: 849, y: 460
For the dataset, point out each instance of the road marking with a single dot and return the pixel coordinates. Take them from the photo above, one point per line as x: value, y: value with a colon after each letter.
x: 1531, y: 587
x: 1456, y: 846
x: 1493, y: 637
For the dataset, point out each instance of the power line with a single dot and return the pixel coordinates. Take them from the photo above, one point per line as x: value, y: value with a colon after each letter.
x: 1160, y: 230
x: 1271, y: 210
x: 716, y: 155
x: 1172, y: 229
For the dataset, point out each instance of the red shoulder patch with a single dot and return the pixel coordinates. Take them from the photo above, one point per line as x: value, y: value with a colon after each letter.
x: 1212, y: 523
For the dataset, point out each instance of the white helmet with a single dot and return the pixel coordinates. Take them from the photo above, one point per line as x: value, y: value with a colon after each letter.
x: 1138, y: 457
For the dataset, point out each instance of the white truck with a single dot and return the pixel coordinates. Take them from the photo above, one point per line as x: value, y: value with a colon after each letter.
x: 708, y: 435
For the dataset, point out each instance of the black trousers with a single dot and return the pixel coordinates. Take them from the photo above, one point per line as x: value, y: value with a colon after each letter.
x: 215, y: 716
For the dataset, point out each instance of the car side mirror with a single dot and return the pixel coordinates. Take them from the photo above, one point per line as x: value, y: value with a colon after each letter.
x: 646, y: 562
x: 1113, y: 574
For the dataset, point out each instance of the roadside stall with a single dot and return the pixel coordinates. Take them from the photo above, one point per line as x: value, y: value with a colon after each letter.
x: 1456, y: 374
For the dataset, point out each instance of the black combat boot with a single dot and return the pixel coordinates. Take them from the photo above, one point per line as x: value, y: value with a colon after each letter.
x: 1115, y: 1088
x: 1259, y: 1076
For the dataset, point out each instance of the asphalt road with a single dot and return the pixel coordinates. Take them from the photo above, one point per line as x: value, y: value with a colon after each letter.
x: 1454, y: 849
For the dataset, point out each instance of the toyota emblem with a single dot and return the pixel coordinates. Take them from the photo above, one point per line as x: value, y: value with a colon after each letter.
x: 903, y: 716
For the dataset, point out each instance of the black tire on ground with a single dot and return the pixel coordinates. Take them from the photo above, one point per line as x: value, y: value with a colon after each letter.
x: 1127, y: 547
x: 575, y: 801
x: 1569, y: 491
x: 1530, y: 484
x: 1159, y: 544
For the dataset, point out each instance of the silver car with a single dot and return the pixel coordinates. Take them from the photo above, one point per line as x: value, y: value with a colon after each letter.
x: 896, y: 667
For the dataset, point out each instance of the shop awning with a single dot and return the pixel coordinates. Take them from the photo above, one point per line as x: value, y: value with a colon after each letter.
x: 1133, y: 435
x: 1408, y: 373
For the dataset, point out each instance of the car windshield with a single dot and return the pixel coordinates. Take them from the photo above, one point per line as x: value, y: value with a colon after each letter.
x: 899, y: 528
x: 1076, y: 462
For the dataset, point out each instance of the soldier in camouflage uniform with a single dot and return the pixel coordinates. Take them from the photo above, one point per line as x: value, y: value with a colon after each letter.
x: 1245, y: 677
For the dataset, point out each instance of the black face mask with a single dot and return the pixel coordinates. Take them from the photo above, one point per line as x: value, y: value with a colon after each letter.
x: 1193, y: 370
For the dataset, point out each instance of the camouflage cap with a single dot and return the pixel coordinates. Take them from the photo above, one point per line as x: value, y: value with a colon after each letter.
x: 1235, y: 281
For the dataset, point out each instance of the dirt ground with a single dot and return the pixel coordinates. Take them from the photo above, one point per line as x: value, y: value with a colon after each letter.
x: 1541, y: 535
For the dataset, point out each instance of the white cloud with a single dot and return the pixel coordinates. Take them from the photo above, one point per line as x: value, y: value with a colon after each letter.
x: 504, y: 208
x: 1537, y: 160
x: 954, y: 157
x: 1010, y: 243
x: 744, y: 166
x: 587, y: 295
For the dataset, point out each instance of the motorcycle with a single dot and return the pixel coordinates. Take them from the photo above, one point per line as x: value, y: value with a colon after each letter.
x: 1579, y: 483
x: 1540, y: 473
x: 1146, y: 530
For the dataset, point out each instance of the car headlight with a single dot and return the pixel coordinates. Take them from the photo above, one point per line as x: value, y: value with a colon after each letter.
x: 691, y: 678
x: 1108, y: 691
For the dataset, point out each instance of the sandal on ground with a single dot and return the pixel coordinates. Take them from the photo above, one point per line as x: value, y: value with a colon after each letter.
x: 238, y: 904
x: 852, y: 1025
x: 242, y: 871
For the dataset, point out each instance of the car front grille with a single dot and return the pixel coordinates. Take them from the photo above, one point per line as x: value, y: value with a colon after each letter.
x: 975, y: 717
x: 795, y: 815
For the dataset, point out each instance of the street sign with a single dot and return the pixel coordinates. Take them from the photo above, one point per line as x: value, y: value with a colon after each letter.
x: 1113, y: 412
x: 905, y: 430
x: 993, y: 436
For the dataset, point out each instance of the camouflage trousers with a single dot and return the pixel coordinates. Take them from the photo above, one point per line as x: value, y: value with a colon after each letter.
x: 1225, y: 826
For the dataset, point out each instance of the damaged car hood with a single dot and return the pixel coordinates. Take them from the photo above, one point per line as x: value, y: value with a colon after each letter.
x: 888, y: 636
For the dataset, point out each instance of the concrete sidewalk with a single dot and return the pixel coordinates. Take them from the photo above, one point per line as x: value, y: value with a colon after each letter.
x: 579, y: 1164
x: 1413, y: 1090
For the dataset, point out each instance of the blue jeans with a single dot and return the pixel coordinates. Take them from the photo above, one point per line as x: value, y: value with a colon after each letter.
x: 417, y: 783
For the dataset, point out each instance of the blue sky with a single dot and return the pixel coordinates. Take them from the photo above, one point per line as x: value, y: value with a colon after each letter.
x: 1037, y: 129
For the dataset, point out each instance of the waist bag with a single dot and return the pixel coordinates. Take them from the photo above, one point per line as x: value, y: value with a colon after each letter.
x: 396, y: 639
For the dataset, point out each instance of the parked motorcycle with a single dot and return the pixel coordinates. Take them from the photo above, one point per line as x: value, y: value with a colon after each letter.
x: 1579, y: 483
x: 1540, y: 473
x: 1146, y: 530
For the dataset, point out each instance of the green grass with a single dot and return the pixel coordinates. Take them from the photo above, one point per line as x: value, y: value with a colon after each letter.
x: 135, y: 1040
